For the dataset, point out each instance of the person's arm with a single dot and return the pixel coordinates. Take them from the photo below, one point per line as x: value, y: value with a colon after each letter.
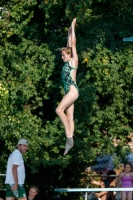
x: 119, y: 179
x: 98, y: 183
x: 69, y: 37
x: 100, y: 194
x: 73, y: 44
x: 15, y: 175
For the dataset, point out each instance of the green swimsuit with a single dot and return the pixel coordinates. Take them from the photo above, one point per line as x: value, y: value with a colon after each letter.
x: 66, y: 77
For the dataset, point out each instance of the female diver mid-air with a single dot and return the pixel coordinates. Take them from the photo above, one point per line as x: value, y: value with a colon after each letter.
x: 65, y: 109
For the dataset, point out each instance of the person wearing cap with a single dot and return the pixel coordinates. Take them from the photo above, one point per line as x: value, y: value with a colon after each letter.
x: 15, y: 172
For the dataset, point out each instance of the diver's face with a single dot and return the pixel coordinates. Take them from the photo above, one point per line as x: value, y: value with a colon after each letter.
x: 66, y: 57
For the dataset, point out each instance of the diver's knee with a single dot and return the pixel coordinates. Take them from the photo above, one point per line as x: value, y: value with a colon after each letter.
x: 58, y: 111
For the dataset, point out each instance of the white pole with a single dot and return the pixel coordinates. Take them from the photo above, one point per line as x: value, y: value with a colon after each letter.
x: 86, y: 192
x: 2, y: 175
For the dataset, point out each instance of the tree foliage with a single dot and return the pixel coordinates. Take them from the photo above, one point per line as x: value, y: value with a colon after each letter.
x: 31, y: 87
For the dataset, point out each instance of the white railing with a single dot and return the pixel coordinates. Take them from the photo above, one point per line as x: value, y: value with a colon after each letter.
x: 86, y: 190
x: 113, y: 189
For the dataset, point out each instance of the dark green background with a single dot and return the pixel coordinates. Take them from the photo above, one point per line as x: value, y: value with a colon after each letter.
x: 31, y: 86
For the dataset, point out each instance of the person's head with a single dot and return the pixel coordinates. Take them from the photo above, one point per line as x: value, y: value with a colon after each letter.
x: 109, y: 178
x: 88, y: 170
x: 33, y: 191
x: 127, y: 167
x: 22, y: 145
x: 66, y: 53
